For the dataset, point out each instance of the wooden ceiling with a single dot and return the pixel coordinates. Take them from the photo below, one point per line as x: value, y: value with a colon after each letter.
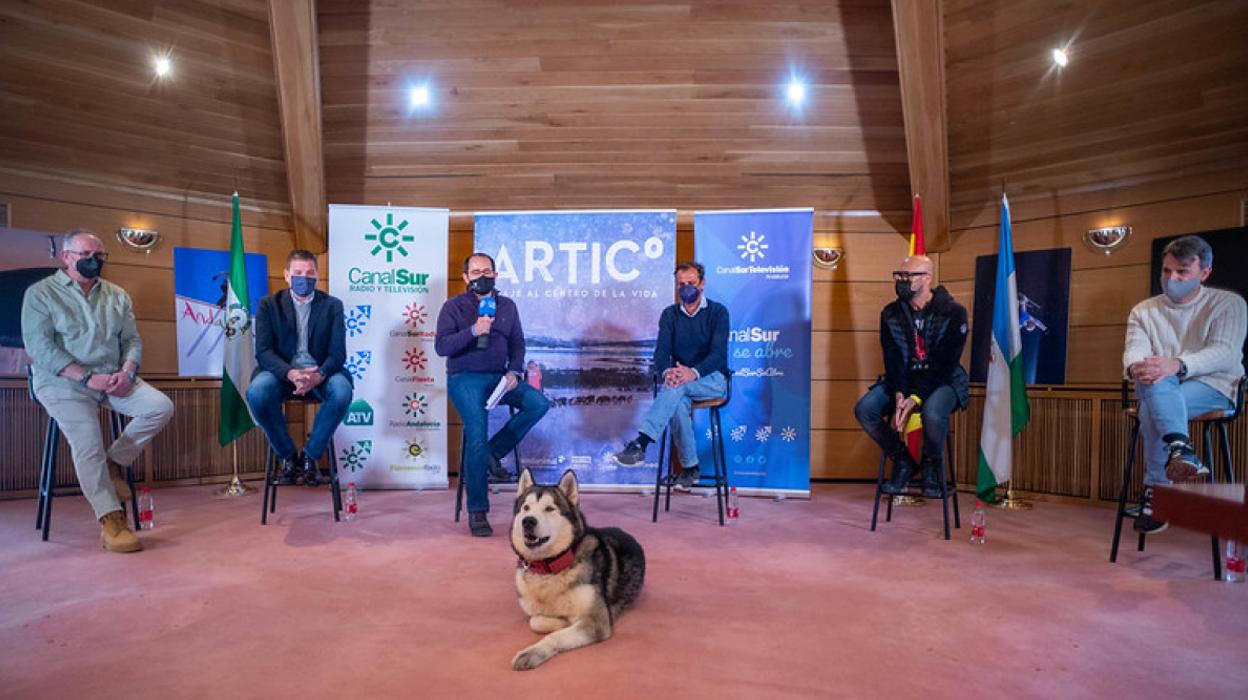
x: 79, y: 97
x: 1154, y: 89
x: 603, y: 103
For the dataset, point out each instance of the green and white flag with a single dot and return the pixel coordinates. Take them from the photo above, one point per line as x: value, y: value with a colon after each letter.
x: 1005, y: 400
x: 240, y: 352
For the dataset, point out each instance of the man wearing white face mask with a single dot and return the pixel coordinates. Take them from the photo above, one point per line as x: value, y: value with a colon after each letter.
x: 300, y: 350
x: 692, y: 354
x: 1184, y: 351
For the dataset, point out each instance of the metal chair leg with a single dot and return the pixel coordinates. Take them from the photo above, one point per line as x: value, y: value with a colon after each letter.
x: 658, y: 482
x: 47, y: 466
x: 1132, y: 437
x: 879, y: 491
x: 720, y: 493
x: 953, y: 479
x: 268, y: 486
x: 335, y: 487
x: 459, y: 487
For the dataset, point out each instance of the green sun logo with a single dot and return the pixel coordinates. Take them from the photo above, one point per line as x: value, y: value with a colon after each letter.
x: 389, y: 238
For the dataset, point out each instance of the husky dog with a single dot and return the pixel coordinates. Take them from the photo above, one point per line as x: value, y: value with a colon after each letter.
x: 573, y: 581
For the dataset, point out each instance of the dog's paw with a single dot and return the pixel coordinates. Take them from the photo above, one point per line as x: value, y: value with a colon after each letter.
x: 530, y: 658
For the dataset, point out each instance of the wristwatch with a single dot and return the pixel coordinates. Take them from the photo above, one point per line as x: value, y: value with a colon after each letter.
x: 86, y: 377
x: 133, y: 374
x: 1182, y: 370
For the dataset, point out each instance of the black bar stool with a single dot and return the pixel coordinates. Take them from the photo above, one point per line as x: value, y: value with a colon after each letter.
x: 47, y: 466
x: 664, y: 479
x: 489, y: 480
x: 268, y: 502
x: 948, y: 486
x: 1208, y: 423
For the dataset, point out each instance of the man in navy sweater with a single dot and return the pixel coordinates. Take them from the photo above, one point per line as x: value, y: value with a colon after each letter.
x: 480, y: 350
x: 692, y: 355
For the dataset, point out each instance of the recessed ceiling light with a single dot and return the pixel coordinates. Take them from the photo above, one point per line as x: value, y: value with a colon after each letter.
x: 162, y: 66
x: 796, y: 92
x: 420, y: 96
x: 1060, y: 58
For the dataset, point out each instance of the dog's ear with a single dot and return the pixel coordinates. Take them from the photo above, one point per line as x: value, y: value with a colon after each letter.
x: 525, y: 483
x: 569, y: 487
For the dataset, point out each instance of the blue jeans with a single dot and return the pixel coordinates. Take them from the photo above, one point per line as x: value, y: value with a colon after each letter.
x: 469, y: 391
x: 1164, y: 409
x: 673, y: 407
x: 874, y: 412
x: 266, y: 394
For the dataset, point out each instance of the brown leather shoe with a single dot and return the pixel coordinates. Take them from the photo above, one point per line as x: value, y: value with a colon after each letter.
x: 115, y: 534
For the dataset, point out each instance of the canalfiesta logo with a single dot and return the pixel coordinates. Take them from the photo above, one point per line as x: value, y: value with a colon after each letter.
x: 359, y: 363
x: 389, y: 239
x: 358, y: 319
x: 359, y: 413
x: 355, y: 457
x: 415, y: 360
x: 752, y: 247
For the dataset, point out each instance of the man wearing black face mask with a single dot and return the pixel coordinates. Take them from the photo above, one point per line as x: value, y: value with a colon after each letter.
x: 692, y: 354
x: 1184, y: 351
x: 300, y: 350
x: 81, y: 335
x: 474, y: 368
x: 922, y: 335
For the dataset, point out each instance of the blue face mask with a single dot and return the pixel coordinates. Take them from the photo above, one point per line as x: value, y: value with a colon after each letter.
x: 302, y: 286
x: 1178, y: 290
x: 688, y: 293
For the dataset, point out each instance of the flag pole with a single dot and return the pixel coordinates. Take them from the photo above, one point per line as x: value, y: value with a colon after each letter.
x: 1010, y: 502
x: 236, y: 487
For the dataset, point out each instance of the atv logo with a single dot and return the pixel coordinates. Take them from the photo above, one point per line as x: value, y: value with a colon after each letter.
x: 358, y: 319
x: 359, y: 413
x: 355, y: 457
x: 389, y: 238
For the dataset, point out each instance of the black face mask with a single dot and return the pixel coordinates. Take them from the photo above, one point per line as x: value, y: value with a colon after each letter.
x: 482, y: 285
x: 904, y: 291
x: 89, y: 267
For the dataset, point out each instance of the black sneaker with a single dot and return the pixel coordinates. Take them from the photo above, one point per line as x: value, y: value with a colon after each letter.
x: 1145, y: 522
x: 479, y: 524
x: 289, y: 473
x: 495, y: 469
x: 1184, y: 465
x: 311, y: 475
x: 688, y: 478
x: 633, y: 453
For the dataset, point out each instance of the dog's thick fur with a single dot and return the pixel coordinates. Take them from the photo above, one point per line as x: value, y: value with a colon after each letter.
x: 579, y: 605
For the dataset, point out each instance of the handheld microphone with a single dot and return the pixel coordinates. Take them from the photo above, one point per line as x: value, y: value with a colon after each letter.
x: 485, y: 307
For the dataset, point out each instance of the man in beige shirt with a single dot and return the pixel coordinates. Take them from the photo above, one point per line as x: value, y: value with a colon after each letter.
x: 1184, y: 351
x: 81, y: 335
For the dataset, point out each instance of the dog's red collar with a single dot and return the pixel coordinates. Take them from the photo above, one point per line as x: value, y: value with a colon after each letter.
x: 552, y: 565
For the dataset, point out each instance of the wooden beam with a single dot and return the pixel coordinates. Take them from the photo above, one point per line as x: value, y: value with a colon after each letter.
x: 919, y: 27
x: 292, y: 24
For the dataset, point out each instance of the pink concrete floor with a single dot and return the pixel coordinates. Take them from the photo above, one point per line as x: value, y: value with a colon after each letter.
x: 800, y: 600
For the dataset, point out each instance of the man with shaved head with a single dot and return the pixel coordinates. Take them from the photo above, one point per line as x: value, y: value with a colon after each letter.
x: 922, y: 335
x: 81, y: 335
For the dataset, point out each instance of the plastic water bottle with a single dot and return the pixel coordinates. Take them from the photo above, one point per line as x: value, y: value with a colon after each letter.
x: 734, y: 508
x: 147, y: 509
x: 978, y: 520
x: 1234, y: 562
x: 350, y: 502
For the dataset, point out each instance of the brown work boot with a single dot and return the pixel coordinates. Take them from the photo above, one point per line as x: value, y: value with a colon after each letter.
x: 120, y: 485
x: 115, y: 534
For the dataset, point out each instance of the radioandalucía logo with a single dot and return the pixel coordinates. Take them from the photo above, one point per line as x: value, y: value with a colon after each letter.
x: 415, y: 413
x: 359, y: 413
x: 355, y: 457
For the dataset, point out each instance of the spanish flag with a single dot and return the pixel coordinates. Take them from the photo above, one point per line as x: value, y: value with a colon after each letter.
x: 917, y: 246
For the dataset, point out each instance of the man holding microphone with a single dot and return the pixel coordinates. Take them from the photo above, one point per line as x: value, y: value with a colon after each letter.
x: 480, y: 335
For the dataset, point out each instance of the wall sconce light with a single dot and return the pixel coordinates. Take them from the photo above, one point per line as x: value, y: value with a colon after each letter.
x: 1107, y: 240
x: 138, y: 239
x: 829, y: 258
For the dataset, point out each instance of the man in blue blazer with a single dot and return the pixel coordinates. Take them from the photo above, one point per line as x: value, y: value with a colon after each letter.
x: 300, y: 350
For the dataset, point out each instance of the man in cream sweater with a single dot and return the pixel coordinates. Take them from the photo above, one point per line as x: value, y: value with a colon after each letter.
x: 1184, y: 351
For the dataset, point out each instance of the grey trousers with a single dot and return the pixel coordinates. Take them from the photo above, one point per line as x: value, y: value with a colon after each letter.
x: 77, y: 411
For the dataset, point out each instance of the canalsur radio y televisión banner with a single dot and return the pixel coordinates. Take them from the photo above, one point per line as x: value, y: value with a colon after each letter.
x: 589, y: 287
x: 758, y: 265
x: 388, y: 266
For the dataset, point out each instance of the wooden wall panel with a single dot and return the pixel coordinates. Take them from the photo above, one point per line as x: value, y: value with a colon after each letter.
x: 846, y: 355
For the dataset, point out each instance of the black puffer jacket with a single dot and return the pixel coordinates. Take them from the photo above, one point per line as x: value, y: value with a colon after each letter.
x: 944, y: 336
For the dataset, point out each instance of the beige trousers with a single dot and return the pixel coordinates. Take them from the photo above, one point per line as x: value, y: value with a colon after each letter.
x: 77, y: 411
